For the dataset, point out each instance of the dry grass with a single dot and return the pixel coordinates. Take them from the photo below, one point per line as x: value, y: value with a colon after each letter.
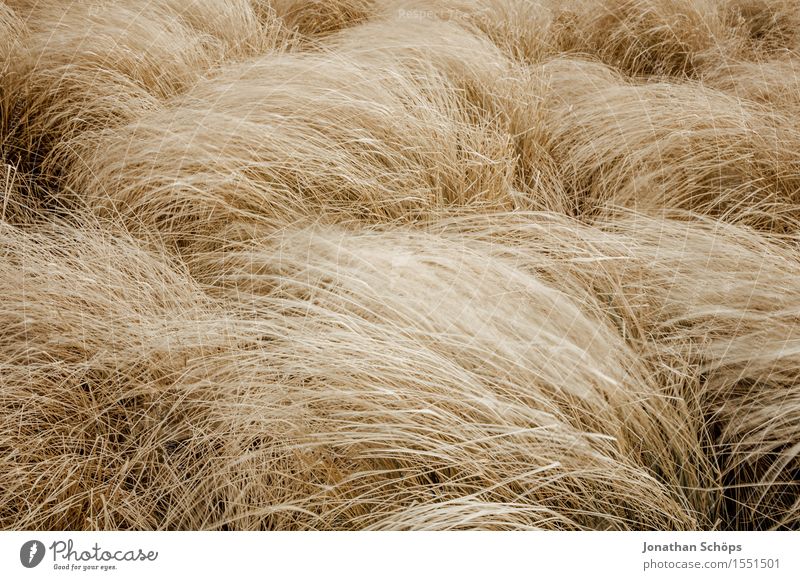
x: 399, y: 265
x: 662, y: 144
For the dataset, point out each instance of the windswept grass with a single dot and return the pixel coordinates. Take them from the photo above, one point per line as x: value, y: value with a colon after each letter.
x: 399, y: 265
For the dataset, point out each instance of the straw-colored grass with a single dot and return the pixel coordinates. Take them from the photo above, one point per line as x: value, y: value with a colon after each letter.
x: 389, y: 264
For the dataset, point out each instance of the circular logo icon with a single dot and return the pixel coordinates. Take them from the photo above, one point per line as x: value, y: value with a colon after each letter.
x: 31, y: 553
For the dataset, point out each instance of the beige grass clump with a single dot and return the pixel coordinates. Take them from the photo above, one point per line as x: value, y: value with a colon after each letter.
x: 11, y: 27
x: 727, y: 300
x: 131, y: 400
x: 327, y: 136
x: 96, y: 333
x: 86, y: 66
x: 773, y: 84
x: 230, y: 29
x: 370, y: 380
x: 713, y: 310
x: 314, y: 19
x: 666, y: 145
x: 524, y: 31
x: 11, y: 30
x: 647, y: 37
x: 12, y: 201
x: 768, y: 28
x: 640, y: 37
x: 492, y: 87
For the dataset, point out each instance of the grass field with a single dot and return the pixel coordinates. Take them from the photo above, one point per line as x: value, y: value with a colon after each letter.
x: 398, y: 264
